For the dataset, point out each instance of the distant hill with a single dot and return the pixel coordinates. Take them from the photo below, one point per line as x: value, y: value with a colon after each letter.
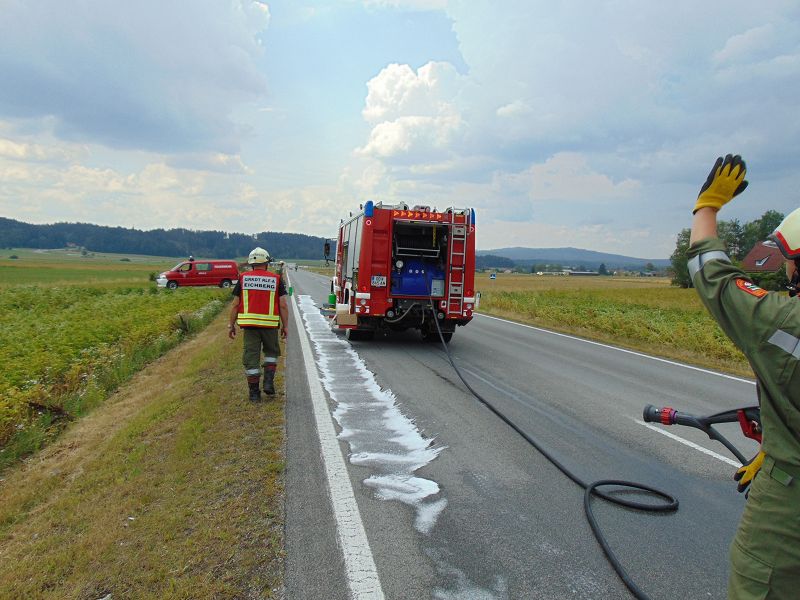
x: 573, y: 257
x: 157, y: 242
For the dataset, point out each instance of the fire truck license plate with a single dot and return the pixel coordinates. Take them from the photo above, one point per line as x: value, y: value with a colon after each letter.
x: 379, y: 281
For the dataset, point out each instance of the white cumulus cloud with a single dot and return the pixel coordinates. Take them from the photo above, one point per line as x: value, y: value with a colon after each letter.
x: 414, y: 114
x: 413, y: 133
x: 400, y: 91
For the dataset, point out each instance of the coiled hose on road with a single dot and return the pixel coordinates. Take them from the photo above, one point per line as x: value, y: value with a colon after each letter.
x: 590, y: 489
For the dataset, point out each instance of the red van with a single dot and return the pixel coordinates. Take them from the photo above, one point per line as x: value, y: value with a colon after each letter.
x: 223, y: 273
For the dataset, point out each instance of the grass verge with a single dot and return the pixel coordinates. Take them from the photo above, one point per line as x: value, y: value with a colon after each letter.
x: 171, y: 489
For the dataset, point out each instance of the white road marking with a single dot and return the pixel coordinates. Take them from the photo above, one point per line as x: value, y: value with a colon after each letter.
x: 677, y: 438
x: 360, y: 570
x: 626, y: 351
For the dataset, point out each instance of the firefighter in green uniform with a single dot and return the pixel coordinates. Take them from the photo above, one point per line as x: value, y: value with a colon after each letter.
x: 765, y: 326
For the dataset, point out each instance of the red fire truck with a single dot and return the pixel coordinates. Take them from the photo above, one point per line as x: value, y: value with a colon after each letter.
x: 399, y: 268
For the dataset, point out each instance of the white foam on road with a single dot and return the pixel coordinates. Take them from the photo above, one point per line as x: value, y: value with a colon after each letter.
x: 360, y: 570
x: 380, y: 436
x: 428, y: 513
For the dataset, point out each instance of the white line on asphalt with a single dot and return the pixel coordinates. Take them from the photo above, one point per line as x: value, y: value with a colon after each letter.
x: 677, y: 438
x: 663, y: 360
x: 360, y: 570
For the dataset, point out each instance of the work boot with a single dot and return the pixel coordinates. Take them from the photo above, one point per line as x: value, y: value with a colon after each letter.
x: 269, y: 382
x: 255, y: 394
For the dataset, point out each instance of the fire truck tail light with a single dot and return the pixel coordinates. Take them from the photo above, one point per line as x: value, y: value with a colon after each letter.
x: 469, y: 306
x: 363, y: 302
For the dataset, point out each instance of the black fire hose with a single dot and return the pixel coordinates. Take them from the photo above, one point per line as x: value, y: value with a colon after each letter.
x: 590, y: 489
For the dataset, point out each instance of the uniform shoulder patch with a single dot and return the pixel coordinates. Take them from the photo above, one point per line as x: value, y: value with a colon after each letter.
x: 751, y: 288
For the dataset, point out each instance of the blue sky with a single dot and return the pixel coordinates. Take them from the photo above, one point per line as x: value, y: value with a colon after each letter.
x: 567, y: 123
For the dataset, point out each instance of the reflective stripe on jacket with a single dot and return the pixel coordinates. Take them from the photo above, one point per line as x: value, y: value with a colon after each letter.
x: 259, y: 303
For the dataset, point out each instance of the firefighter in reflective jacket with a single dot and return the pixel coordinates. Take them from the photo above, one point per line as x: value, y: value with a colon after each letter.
x: 765, y: 326
x: 260, y: 308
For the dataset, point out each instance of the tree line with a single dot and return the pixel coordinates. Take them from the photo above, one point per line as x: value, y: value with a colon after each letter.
x: 740, y: 239
x: 157, y: 242
x: 490, y: 261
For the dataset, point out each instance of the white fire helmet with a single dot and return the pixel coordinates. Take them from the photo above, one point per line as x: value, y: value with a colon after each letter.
x: 258, y: 256
x: 787, y: 235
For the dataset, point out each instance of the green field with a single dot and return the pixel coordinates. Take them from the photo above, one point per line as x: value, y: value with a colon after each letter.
x: 73, y: 327
x: 70, y: 267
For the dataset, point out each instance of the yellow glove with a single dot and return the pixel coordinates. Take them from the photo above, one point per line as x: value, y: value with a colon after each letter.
x: 747, y: 472
x: 725, y: 181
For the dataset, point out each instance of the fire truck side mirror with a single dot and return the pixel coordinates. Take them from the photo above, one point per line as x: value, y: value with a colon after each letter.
x: 327, y: 249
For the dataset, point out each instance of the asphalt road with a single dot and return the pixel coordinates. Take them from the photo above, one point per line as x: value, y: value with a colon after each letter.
x: 470, y: 509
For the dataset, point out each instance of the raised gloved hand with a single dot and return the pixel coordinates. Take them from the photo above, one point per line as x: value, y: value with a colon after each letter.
x: 725, y: 181
x: 746, y: 472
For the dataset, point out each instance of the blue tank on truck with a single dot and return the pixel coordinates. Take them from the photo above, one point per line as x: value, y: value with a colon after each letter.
x: 419, y: 278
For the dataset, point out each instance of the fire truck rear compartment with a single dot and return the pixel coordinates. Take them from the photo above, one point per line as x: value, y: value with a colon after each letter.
x: 418, y: 259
